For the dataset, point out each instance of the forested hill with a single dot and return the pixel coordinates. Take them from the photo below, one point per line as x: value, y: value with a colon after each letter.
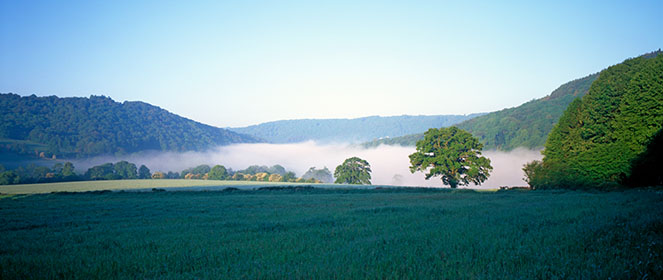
x: 527, y: 125
x: 610, y: 135
x: 347, y: 130
x: 79, y: 127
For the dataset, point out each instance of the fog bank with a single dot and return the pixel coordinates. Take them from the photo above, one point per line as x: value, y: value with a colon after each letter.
x: 390, y: 164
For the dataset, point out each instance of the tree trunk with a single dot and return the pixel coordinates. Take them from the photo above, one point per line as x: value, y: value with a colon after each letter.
x: 453, y: 184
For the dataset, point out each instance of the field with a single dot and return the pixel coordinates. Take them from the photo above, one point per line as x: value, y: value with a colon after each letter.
x: 332, y: 233
x: 85, y: 186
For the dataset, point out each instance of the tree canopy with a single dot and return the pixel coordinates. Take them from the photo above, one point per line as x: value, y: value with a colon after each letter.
x: 323, y: 175
x: 453, y: 154
x: 353, y: 171
x: 599, y: 137
x: 144, y: 172
x: 218, y: 172
x: 81, y: 127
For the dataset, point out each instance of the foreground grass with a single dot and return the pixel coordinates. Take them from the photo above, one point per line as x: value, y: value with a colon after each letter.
x: 86, y: 186
x: 322, y: 233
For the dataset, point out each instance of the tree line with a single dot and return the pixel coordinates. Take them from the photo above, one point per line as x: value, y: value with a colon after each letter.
x: 458, y: 161
x: 124, y: 170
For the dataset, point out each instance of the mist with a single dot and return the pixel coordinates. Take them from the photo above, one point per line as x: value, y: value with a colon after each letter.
x: 390, y: 164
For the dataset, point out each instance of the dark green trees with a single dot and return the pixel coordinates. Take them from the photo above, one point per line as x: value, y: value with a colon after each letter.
x: 198, y: 170
x: 599, y: 136
x: 218, y: 172
x: 125, y: 170
x: 647, y: 168
x: 353, y: 171
x: 9, y: 177
x: 110, y: 171
x: 289, y: 177
x: 144, y: 172
x: 101, y: 172
x: 80, y: 127
x: 453, y: 154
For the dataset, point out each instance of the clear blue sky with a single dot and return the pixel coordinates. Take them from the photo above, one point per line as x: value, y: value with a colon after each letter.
x: 235, y: 63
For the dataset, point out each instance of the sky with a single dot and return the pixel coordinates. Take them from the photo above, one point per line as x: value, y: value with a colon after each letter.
x: 237, y: 63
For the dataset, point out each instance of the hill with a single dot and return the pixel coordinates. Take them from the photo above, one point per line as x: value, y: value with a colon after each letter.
x: 347, y: 130
x: 527, y: 125
x: 79, y: 127
x: 599, y: 137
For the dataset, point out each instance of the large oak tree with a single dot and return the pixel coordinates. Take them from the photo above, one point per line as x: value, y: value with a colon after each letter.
x: 453, y: 154
x: 353, y: 171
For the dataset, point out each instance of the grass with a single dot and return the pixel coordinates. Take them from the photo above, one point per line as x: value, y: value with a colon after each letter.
x: 86, y: 186
x: 327, y: 233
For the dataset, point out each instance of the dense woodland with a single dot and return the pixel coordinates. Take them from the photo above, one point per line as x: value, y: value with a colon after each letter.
x: 612, y: 135
x: 348, y: 130
x: 527, y: 125
x: 80, y: 127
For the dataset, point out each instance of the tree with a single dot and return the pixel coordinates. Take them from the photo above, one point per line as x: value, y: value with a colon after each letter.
x: 158, y: 175
x: 600, y: 136
x: 101, y: 172
x: 453, y: 154
x: 262, y: 176
x: 275, y: 178
x: 125, y: 170
x: 68, y: 170
x: 353, y: 171
x: 534, y: 173
x: 289, y: 177
x: 218, y: 172
x: 323, y: 175
x: 277, y: 169
x: 9, y: 177
x: 254, y: 169
x: 144, y: 172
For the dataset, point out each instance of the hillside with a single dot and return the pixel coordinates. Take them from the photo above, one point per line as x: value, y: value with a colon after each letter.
x: 79, y: 127
x: 527, y: 125
x: 347, y: 130
x: 600, y: 136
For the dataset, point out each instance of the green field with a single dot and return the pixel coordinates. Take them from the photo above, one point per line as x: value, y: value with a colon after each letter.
x: 333, y: 233
x: 85, y: 186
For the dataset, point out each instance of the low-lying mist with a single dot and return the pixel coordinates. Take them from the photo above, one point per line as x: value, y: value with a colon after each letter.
x: 390, y: 164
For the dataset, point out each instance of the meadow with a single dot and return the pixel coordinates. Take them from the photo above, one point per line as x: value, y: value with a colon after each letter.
x: 101, y: 185
x: 333, y: 233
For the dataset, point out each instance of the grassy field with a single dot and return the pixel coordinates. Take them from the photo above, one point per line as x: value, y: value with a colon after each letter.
x: 327, y: 233
x: 86, y: 186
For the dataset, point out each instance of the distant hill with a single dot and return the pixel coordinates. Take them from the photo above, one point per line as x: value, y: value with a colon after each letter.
x: 600, y: 137
x: 347, y: 130
x: 527, y: 125
x: 81, y: 127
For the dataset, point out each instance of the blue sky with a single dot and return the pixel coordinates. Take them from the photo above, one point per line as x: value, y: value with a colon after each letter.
x: 235, y: 63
